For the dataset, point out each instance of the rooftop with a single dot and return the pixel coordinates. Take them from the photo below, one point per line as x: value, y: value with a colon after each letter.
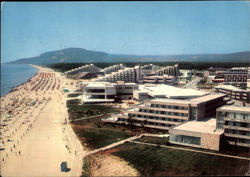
x: 235, y: 108
x: 230, y: 87
x: 205, y: 126
x: 208, y: 97
x: 170, y: 91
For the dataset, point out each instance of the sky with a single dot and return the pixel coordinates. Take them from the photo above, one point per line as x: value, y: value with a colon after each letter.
x: 157, y: 28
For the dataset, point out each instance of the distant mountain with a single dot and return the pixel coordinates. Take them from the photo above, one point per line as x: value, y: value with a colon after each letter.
x: 79, y: 55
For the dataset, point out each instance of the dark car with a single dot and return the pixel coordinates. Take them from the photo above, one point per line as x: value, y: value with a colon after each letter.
x: 64, y: 167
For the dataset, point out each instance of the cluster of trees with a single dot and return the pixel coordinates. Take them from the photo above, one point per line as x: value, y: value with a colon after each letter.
x: 62, y: 67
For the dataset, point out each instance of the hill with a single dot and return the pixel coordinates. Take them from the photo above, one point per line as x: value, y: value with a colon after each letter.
x: 79, y: 55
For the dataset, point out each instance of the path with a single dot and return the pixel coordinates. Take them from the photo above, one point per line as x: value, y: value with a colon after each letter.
x: 193, y: 83
x: 122, y: 142
x: 192, y: 150
x: 83, y: 118
x: 112, y: 145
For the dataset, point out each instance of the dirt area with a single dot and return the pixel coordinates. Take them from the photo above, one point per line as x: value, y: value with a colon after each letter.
x: 110, y: 165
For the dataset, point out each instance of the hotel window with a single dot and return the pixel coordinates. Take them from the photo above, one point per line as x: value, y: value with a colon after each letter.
x: 231, y: 115
x: 239, y: 116
x: 246, y: 116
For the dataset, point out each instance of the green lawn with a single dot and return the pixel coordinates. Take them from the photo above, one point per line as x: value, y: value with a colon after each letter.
x: 86, y: 110
x: 100, y: 137
x: 93, y: 131
x: 154, y: 140
x: 158, y: 161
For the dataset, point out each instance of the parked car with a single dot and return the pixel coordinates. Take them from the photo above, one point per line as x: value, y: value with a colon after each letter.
x: 64, y: 167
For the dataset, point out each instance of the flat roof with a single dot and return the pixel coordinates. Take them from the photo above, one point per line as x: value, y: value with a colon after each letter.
x: 209, y: 97
x: 230, y: 87
x: 204, y: 126
x: 235, y: 108
x: 108, y: 84
x: 171, y: 91
x: 98, y: 84
x: 166, y: 100
x: 97, y: 100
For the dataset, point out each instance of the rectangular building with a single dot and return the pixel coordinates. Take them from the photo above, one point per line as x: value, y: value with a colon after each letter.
x: 99, y: 92
x: 164, y: 113
x: 164, y: 79
x: 200, y: 134
x: 234, y: 92
x: 236, y: 124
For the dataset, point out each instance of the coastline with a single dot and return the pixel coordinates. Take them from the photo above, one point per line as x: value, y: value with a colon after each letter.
x: 36, y: 109
x: 15, y: 88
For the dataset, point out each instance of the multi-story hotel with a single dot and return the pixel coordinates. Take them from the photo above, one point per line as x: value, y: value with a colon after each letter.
x: 236, y: 124
x: 236, y: 77
x: 126, y: 75
x: 164, y: 113
x: 113, y: 68
x: 164, y: 79
x: 169, y: 70
x: 136, y: 74
x: 234, y: 92
x: 86, y: 68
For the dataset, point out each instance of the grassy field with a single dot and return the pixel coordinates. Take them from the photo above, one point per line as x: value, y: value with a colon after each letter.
x: 154, y: 140
x: 86, y: 110
x: 92, y: 131
x: 157, y: 161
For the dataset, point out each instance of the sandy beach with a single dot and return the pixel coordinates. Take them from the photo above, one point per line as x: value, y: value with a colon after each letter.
x: 35, y: 137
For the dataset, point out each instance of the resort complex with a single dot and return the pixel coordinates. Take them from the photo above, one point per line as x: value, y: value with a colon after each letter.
x: 191, y: 117
x: 96, y: 89
x: 121, y: 106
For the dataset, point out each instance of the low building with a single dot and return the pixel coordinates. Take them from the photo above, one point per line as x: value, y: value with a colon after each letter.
x: 200, y: 134
x: 235, y: 121
x: 100, y: 92
x: 164, y: 91
x: 234, y: 92
x: 124, y: 91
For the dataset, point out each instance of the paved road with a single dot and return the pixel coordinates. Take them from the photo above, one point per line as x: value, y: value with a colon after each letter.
x: 193, y: 83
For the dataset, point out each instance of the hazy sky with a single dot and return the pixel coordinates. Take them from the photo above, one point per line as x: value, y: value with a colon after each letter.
x: 29, y: 29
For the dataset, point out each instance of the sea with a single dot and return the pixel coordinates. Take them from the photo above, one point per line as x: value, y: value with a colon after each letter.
x: 13, y: 75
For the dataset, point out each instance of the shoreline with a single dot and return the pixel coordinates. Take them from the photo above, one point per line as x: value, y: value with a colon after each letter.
x: 36, y: 109
x: 15, y: 88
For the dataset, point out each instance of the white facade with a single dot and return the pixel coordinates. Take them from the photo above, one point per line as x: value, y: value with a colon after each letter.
x: 94, y: 92
x: 85, y: 68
